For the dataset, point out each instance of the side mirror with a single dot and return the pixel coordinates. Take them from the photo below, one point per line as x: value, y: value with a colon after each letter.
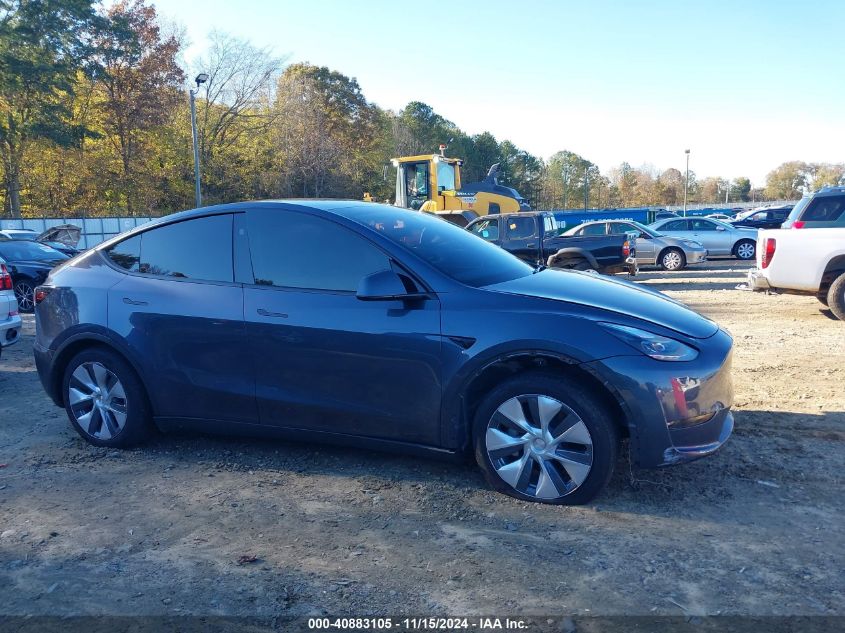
x: 385, y: 285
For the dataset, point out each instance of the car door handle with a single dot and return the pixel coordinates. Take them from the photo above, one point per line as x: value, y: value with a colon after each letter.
x: 132, y: 302
x: 269, y: 313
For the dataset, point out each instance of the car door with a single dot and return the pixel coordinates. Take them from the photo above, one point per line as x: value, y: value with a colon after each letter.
x: 715, y: 237
x: 676, y: 228
x: 181, y: 314
x: 325, y: 360
x: 522, y: 237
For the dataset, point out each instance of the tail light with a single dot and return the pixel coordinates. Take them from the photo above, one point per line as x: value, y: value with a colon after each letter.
x: 798, y: 224
x: 626, y: 248
x: 5, y: 278
x: 769, y: 251
x: 41, y: 293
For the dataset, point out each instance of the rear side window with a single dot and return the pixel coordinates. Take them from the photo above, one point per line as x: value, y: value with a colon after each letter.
x: 825, y: 209
x: 193, y: 249
x: 675, y: 225
x: 295, y: 250
x: 594, y: 229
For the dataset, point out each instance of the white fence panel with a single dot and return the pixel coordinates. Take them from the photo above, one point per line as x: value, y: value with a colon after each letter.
x: 94, y: 230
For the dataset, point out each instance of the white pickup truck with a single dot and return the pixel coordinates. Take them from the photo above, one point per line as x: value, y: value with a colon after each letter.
x: 803, y: 261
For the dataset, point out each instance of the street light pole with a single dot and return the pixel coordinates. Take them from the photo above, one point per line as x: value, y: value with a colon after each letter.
x: 686, y: 184
x: 586, y: 187
x: 200, y: 79
x: 565, y: 175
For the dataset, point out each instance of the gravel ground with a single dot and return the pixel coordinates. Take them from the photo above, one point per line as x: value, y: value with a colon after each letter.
x: 215, y: 526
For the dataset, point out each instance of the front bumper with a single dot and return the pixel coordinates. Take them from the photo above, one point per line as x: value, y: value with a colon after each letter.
x: 676, y: 412
x: 696, y: 255
x: 757, y: 281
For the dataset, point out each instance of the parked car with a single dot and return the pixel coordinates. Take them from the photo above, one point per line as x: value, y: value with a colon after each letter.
x: 362, y: 324
x: 723, y: 217
x: 64, y: 237
x: 663, y: 215
x: 652, y: 248
x: 805, y: 262
x: 10, y: 320
x: 823, y: 209
x: 719, y: 238
x: 535, y: 239
x: 29, y: 263
x: 769, y: 218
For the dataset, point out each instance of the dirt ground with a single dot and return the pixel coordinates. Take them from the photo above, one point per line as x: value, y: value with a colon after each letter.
x: 198, y: 525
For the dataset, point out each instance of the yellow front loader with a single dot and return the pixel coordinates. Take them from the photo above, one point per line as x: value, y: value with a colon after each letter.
x: 432, y: 183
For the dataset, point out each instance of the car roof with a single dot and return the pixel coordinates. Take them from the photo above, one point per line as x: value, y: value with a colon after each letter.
x: 830, y: 191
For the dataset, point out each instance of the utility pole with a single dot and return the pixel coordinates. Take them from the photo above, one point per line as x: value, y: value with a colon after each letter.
x: 686, y: 184
x: 200, y: 79
x: 728, y: 192
x: 565, y: 175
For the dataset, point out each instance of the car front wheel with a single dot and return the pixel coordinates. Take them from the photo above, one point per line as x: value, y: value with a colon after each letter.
x: 746, y: 249
x: 545, y: 438
x: 672, y: 259
x: 105, y: 400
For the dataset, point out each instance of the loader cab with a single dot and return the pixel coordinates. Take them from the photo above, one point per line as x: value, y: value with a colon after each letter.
x: 420, y: 179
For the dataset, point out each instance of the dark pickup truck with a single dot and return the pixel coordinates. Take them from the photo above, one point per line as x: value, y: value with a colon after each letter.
x: 534, y: 237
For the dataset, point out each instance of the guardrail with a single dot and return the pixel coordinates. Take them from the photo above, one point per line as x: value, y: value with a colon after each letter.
x: 94, y: 230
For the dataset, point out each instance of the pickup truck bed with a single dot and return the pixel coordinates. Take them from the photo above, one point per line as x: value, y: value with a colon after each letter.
x: 533, y: 238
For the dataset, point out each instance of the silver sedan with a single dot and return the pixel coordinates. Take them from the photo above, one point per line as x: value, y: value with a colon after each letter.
x: 653, y: 248
x: 719, y: 238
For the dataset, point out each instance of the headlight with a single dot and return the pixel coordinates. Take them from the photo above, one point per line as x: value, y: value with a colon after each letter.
x: 653, y: 345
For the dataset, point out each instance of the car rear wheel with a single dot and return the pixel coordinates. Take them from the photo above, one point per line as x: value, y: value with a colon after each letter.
x: 105, y: 400
x: 545, y: 438
x: 672, y: 259
x: 836, y: 297
x: 25, y: 294
x: 745, y: 249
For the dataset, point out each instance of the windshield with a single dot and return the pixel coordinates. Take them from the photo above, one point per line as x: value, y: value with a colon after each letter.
x: 21, y: 251
x: 450, y: 249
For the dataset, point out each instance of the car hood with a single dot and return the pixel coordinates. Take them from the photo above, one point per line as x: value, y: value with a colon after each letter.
x: 614, y: 295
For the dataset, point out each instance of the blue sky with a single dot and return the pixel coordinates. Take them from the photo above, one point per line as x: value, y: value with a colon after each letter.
x: 744, y: 85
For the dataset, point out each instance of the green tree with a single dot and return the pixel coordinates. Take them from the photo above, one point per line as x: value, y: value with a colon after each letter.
x: 787, y: 181
x: 741, y: 189
x: 43, y: 43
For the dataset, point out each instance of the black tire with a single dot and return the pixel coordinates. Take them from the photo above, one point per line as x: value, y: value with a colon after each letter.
x: 25, y: 294
x: 747, y: 255
x: 673, y: 259
x: 137, y: 420
x: 836, y: 297
x: 588, y: 407
x: 571, y: 263
x: 822, y: 299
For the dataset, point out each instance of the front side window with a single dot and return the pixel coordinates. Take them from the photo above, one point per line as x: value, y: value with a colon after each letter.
x: 487, y: 229
x: 703, y: 225
x: 296, y: 250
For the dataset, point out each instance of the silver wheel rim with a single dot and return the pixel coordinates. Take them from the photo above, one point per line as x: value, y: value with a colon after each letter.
x: 97, y: 400
x: 745, y: 251
x: 672, y: 260
x: 24, y: 295
x: 539, y: 446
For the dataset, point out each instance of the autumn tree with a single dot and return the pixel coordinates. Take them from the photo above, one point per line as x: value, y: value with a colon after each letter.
x: 43, y: 44
x: 787, y: 181
x: 139, y: 84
